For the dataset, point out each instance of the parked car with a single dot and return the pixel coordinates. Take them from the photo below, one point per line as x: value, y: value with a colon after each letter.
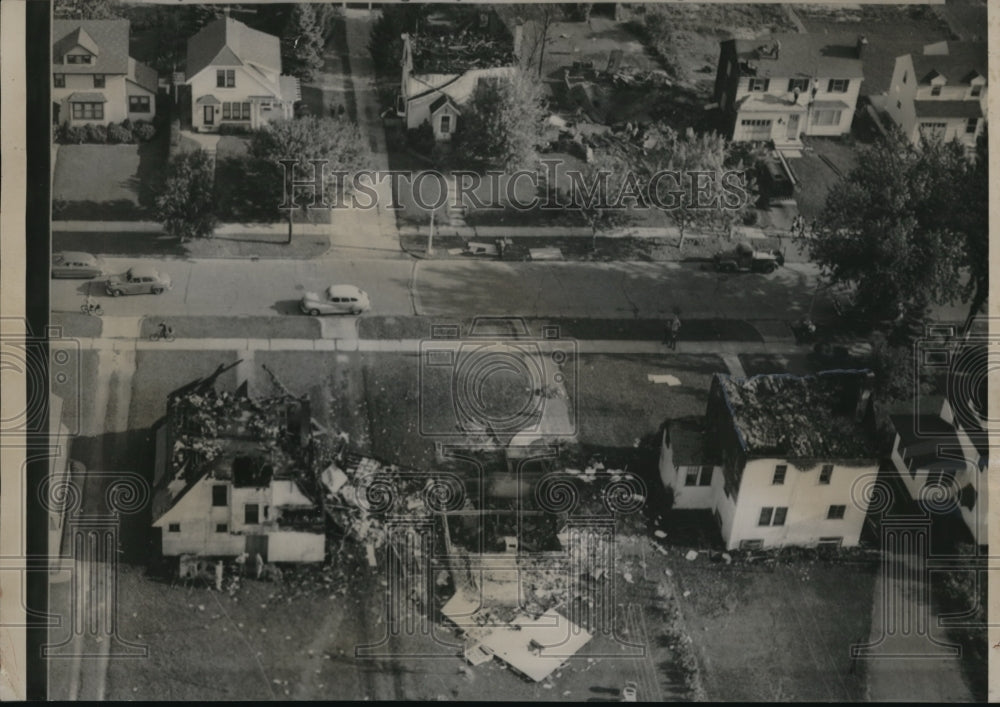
x: 743, y: 258
x: 336, y: 299
x: 138, y: 280
x: 72, y: 264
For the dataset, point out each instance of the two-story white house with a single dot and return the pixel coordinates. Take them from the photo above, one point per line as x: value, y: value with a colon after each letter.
x: 94, y: 80
x: 942, y: 460
x: 776, y: 458
x: 234, y: 73
x: 442, y: 66
x: 229, y: 477
x: 941, y: 92
x: 782, y: 86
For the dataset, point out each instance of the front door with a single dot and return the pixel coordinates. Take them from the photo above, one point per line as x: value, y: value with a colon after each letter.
x: 209, y: 115
x: 793, y: 126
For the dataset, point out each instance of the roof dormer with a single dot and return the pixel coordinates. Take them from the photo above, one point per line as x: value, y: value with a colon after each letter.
x: 81, y: 48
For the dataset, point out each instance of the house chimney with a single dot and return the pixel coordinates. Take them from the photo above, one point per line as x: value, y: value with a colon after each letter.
x: 862, y: 43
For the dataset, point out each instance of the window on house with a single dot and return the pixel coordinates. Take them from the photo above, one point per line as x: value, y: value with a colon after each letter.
x: 267, y: 510
x: 698, y: 476
x: 88, y: 111
x: 780, y: 514
x: 227, y: 111
x: 246, y: 111
x: 225, y: 78
x: 838, y: 85
x: 798, y: 85
x: 174, y: 528
x: 445, y: 126
x: 971, y: 125
x: 779, y: 474
x: 98, y: 80
x: 78, y: 59
x: 765, y: 515
x: 935, y: 90
x: 977, y: 90
x: 219, y: 495
x: 825, y: 473
x: 755, y: 122
x: 222, y: 527
x: 759, y: 84
x: 691, y: 476
x: 836, y: 512
x: 933, y: 130
x: 705, y: 477
x: 826, y: 117
x: 59, y: 80
x: 251, y: 514
x: 138, y: 104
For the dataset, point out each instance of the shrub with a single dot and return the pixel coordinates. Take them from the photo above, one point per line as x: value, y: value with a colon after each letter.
x: 226, y: 129
x: 421, y: 138
x: 119, y: 134
x: 127, y: 124
x: 143, y: 130
x: 74, y: 135
x: 96, y: 133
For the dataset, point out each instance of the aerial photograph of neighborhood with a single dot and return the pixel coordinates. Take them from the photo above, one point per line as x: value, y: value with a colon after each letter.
x: 629, y: 352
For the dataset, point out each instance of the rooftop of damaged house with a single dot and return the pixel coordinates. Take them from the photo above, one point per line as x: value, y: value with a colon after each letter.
x: 455, y: 39
x: 243, y: 443
x: 824, y: 416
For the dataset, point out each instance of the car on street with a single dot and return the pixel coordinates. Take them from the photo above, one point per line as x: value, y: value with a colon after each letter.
x: 743, y: 258
x: 74, y: 264
x: 138, y: 280
x: 336, y: 299
x: 630, y: 692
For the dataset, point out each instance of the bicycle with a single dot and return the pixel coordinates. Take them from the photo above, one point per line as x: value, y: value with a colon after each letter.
x: 93, y: 309
x: 162, y: 333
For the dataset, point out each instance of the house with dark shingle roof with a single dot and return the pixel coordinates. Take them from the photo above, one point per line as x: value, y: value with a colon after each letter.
x: 94, y: 80
x: 782, y: 86
x: 941, y: 92
x: 234, y: 73
x: 778, y: 459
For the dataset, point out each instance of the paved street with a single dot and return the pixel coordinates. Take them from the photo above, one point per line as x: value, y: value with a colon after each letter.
x: 459, y: 288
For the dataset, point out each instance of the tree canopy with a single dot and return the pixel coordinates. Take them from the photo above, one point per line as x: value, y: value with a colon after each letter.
x: 502, y: 124
x: 897, y: 230
x: 86, y: 9
x: 302, y: 42
x: 186, y: 205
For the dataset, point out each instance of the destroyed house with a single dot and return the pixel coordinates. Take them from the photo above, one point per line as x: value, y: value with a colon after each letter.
x: 233, y: 475
x: 782, y: 86
x: 443, y: 62
x: 776, y: 457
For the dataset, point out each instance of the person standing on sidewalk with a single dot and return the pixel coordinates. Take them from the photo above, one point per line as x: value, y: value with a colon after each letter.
x: 674, y: 331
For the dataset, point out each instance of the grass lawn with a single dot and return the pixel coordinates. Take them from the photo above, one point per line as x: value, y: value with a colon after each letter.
x: 76, y: 325
x: 232, y: 245
x: 618, y: 406
x: 107, y: 182
x: 798, y: 619
x: 157, y: 373
x: 815, y: 179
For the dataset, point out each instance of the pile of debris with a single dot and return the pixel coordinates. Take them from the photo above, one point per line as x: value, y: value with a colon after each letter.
x: 455, y: 53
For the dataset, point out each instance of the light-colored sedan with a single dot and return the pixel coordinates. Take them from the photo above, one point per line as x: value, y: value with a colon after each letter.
x: 336, y: 299
x: 138, y: 280
x: 73, y: 264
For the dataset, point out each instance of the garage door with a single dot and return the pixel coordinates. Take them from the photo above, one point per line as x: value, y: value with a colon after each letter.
x: 756, y: 129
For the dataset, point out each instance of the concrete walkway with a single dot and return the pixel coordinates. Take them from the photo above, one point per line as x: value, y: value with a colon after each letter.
x: 727, y: 349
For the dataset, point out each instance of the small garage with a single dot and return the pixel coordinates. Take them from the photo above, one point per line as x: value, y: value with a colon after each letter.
x: 755, y: 129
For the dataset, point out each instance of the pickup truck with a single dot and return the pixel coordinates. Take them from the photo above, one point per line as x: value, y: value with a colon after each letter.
x: 744, y: 258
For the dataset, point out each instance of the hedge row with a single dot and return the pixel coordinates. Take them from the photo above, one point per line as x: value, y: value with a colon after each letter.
x: 123, y: 133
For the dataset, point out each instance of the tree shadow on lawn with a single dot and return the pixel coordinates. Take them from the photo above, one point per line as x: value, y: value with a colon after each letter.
x: 119, y: 243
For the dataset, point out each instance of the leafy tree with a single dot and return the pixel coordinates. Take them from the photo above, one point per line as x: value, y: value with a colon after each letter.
x: 186, y: 206
x: 595, y: 189
x: 693, y: 180
x: 538, y: 19
x: 302, y: 42
x: 86, y: 9
x: 385, y: 43
x: 502, y: 125
x: 889, y: 228
x: 336, y: 141
x: 974, y: 222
